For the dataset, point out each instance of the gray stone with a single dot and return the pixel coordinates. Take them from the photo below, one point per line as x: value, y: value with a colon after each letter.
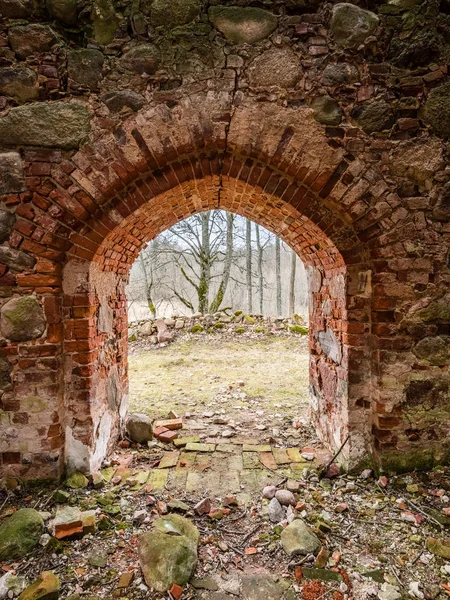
x: 139, y: 428
x: 19, y: 83
x: 168, y: 553
x: 16, y: 259
x: 56, y: 125
x: 297, y: 538
x: 257, y: 586
x: 173, y: 13
x: 84, y: 68
x: 13, y: 583
x: 276, y: 511
x: 7, y: 220
x: 12, y: 181
x: 373, y: 116
x: 285, y: 497
x: 434, y: 349
x: 64, y: 11
x: 104, y: 20
x: 275, y: 67
x: 330, y: 345
x: 342, y: 73
x: 242, y: 25
x: 20, y: 533
x: 352, y: 25
x: 22, y: 319
x: 269, y: 491
x: 30, y: 39
x: 437, y: 109
x: 117, y: 101
x: 141, y: 59
x: 326, y: 110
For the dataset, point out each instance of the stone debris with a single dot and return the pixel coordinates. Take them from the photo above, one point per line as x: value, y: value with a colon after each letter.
x: 46, y: 587
x: 139, y: 427
x: 20, y: 533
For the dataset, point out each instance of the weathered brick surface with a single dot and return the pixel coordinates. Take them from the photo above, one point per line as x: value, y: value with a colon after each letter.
x: 363, y: 200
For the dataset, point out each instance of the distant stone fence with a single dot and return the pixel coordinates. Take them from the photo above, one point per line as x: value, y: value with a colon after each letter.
x: 236, y: 322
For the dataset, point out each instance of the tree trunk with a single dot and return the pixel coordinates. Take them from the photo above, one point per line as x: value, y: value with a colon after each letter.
x: 205, y: 266
x: 248, y: 252
x: 148, y: 287
x: 260, y: 270
x: 292, y: 283
x: 278, y: 273
x: 216, y: 303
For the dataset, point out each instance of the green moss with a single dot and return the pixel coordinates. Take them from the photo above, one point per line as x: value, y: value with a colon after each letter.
x: 105, y: 21
x: 420, y: 459
x: 259, y: 330
x: 238, y: 313
x: 250, y: 319
x: 196, y: 329
x: 298, y: 329
x: 240, y: 330
x: 218, y: 325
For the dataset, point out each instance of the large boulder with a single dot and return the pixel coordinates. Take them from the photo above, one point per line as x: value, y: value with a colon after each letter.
x: 20, y: 533
x: 297, y: 538
x: 144, y: 58
x: 373, y: 116
x: 139, y: 428
x: 12, y: 179
x: 22, y: 319
x: 243, y: 24
x: 55, y: 125
x: 46, y: 587
x: 19, y: 83
x: 168, y: 553
x: 173, y: 13
x: 352, y: 25
x: 437, y: 109
x: 275, y: 67
x: 64, y: 11
x: 84, y: 68
x: 30, y: 39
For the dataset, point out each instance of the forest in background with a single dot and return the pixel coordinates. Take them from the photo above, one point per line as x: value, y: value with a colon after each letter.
x: 215, y: 260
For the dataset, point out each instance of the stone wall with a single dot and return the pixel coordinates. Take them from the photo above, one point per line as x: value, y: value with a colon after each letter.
x: 324, y: 122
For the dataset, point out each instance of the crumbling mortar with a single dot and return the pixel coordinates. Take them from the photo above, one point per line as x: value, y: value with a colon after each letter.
x: 227, y: 131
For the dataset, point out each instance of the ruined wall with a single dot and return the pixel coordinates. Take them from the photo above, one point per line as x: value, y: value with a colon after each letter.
x: 324, y: 122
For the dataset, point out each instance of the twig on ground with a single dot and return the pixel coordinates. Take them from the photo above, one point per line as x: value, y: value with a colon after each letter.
x: 325, y: 468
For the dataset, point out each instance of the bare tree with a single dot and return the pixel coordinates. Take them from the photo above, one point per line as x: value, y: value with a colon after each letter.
x: 218, y: 299
x: 278, y: 273
x: 292, y: 283
x: 248, y: 259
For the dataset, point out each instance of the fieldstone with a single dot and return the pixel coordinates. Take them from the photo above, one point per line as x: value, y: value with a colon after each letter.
x: 22, y: 319
x: 30, y: 39
x: 373, y: 116
x: 7, y: 219
x: 84, y: 68
x: 55, y: 125
x: 139, y: 428
x: 242, y: 25
x: 12, y: 181
x: 105, y: 21
x: 168, y: 553
x: 19, y: 83
x: 255, y: 586
x: 418, y: 161
x: 46, y: 587
x: 351, y: 25
x: 275, y: 67
x: 330, y: 345
x: 17, y: 9
x: 16, y: 259
x: 297, y: 538
x: 144, y: 58
x: 437, y: 110
x: 173, y: 13
x: 342, y: 73
x: 164, y: 335
x: 5, y: 373
x: 269, y: 491
x: 434, y: 349
x: 419, y: 48
x: 61, y: 497
x: 20, y: 533
x: 326, y: 110
x: 64, y: 11
x: 441, y: 212
x: 77, y: 481
x: 275, y: 511
x: 11, y: 583
x: 285, y: 497
x: 117, y: 101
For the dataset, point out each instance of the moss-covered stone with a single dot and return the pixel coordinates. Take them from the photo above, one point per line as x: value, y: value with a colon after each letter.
x: 439, y: 547
x: 373, y: 116
x: 298, y: 538
x: 275, y: 67
x: 20, y: 533
x: 105, y: 21
x: 434, y: 349
x: 168, y: 553
x: 298, y: 329
x: 117, y: 101
x: 7, y: 218
x: 19, y: 83
x: 55, y: 125
x: 64, y: 11
x: 417, y: 49
x: 22, y: 319
x: 352, y: 25
x: 144, y: 58
x: 46, y: 587
x: 84, y: 68
x: 326, y: 110
x: 29, y: 39
x: 5, y: 373
x: 173, y: 13
x: 341, y: 73
x: 437, y: 110
x: 437, y: 310
x: 196, y: 329
x: 77, y: 481
x: 242, y: 25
